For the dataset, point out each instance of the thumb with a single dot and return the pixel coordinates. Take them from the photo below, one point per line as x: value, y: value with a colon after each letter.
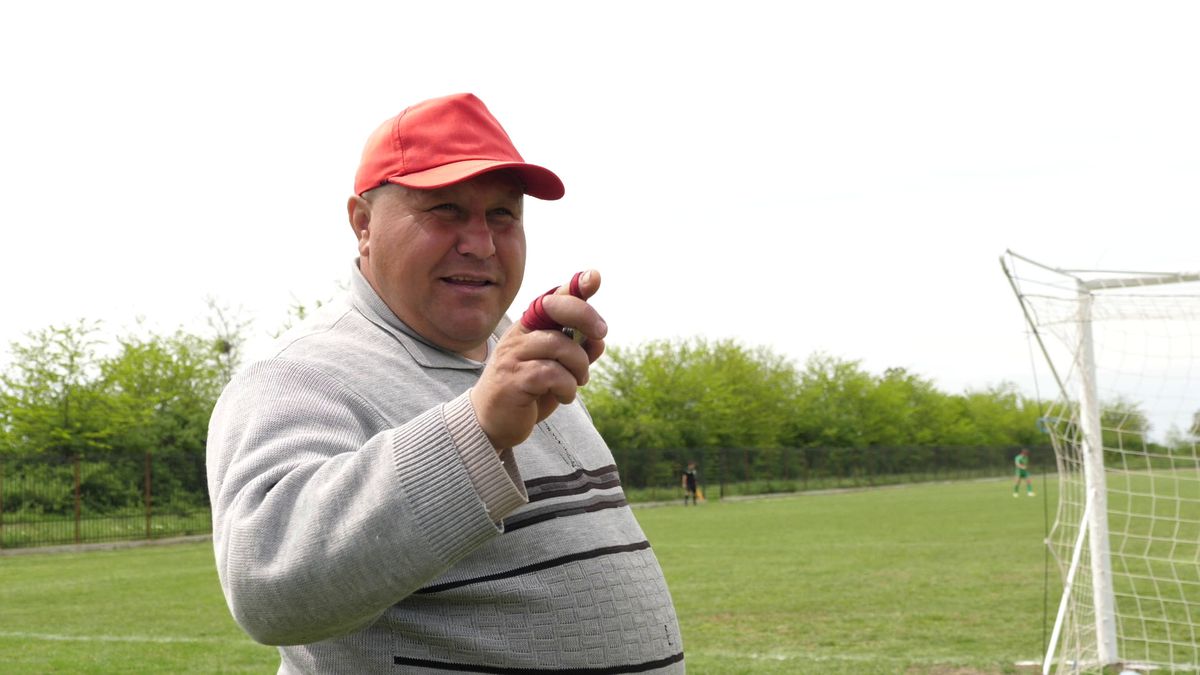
x: 583, y: 285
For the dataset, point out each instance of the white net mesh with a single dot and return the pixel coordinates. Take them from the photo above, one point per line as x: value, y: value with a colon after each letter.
x: 1146, y: 343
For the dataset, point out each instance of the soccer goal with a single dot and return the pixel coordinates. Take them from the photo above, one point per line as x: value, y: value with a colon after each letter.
x: 1122, y: 350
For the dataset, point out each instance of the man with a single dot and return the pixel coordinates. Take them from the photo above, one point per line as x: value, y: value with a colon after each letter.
x: 1022, y: 469
x: 408, y: 484
x: 688, y: 483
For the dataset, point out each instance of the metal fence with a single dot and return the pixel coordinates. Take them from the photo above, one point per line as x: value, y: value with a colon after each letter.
x: 113, y: 496
x: 649, y: 475
x: 49, y: 500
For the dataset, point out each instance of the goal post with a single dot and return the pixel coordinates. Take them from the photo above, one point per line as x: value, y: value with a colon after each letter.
x: 1095, y: 517
x: 1123, y: 351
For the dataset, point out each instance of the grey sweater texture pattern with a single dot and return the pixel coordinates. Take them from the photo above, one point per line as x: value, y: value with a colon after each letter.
x: 363, y: 523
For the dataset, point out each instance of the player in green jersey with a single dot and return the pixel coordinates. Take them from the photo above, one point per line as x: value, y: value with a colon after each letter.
x: 1022, y: 464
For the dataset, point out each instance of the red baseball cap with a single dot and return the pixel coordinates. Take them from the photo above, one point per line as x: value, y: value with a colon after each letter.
x: 443, y: 141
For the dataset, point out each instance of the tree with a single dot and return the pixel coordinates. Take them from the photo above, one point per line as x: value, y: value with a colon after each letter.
x: 1123, y: 423
x: 841, y: 405
x: 904, y: 410
x: 998, y: 417
x: 51, y: 398
x: 691, y: 394
x: 155, y: 393
x: 229, y: 336
x: 162, y: 389
x: 1177, y: 441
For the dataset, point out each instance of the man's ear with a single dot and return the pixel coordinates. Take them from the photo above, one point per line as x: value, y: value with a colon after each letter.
x: 358, y: 210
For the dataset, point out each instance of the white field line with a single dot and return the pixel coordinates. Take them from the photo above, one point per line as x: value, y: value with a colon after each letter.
x: 742, y: 655
x: 52, y: 637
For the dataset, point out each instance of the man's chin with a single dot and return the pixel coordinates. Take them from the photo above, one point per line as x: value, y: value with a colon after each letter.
x: 466, y: 336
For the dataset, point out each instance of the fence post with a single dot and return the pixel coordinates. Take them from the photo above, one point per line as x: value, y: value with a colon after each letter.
x: 721, y: 470
x: 149, y: 496
x: 805, y: 469
x: 1, y: 502
x: 78, y: 512
x: 748, y: 476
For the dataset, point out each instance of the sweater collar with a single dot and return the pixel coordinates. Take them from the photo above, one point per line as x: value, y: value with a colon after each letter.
x: 364, y: 298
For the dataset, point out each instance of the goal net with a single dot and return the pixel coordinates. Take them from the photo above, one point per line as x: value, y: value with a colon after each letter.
x: 1122, y: 350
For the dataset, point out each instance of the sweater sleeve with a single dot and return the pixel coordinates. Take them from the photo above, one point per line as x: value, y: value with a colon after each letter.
x: 319, y: 525
x: 494, y: 476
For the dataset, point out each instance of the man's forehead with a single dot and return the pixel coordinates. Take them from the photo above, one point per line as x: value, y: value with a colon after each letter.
x: 494, y: 183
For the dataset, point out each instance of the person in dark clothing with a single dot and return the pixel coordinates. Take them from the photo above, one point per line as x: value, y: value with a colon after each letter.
x: 690, y: 488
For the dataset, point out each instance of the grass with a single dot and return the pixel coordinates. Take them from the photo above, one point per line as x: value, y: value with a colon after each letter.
x: 1154, y: 535
x: 144, y: 610
x: 944, y: 578
x: 933, y: 578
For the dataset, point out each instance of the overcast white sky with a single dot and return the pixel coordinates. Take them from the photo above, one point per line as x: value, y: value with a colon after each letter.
x: 836, y: 176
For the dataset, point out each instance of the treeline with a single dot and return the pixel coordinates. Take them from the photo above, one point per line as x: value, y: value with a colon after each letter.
x: 101, y: 425
x: 701, y: 394
x: 68, y: 392
x: 664, y: 403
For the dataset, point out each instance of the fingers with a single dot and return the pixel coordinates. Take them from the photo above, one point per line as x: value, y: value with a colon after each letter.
x: 593, y: 347
x: 536, y: 366
x: 583, y: 286
x: 566, y: 307
x: 565, y: 310
x: 581, y: 323
x: 526, y: 378
x: 552, y: 347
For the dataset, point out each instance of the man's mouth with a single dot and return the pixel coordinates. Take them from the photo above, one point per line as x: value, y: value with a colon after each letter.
x: 466, y: 281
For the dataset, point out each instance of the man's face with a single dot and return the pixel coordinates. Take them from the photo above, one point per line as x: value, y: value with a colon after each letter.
x: 448, y: 262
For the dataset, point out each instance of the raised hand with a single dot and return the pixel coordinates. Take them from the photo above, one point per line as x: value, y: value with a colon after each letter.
x: 536, y: 365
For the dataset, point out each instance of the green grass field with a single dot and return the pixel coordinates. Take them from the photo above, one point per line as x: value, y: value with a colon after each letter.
x: 934, y: 578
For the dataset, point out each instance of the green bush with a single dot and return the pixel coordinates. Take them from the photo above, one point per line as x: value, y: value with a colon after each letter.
x: 38, y: 488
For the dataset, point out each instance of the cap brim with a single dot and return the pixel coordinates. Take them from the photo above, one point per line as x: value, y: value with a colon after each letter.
x: 539, y: 182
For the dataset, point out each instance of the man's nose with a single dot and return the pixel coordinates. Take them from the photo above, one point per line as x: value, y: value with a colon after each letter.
x: 475, y: 238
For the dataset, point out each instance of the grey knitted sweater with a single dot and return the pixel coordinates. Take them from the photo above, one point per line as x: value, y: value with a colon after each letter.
x: 362, y: 521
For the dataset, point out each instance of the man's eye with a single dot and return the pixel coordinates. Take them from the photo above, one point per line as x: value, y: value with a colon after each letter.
x: 445, y: 209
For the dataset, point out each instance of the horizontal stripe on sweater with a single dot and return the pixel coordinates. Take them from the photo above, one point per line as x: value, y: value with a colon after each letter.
x: 577, y: 482
x: 500, y: 670
x: 563, y: 510
x: 538, y: 567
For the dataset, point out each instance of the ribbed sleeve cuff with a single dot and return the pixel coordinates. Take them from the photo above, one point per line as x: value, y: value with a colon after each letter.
x: 443, y: 500
x: 496, y: 478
